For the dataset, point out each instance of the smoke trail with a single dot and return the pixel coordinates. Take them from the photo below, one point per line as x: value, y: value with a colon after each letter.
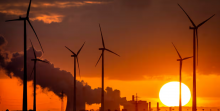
x: 57, y: 80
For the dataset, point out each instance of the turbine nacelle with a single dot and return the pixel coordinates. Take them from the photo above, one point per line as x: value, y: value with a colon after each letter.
x: 101, y: 48
x: 190, y: 27
x: 33, y: 59
x: 73, y: 55
x: 179, y: 59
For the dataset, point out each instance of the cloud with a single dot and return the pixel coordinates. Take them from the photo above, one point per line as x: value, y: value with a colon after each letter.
x: 48, y: 18
x: 56, y: 4
x: 3, y: 54
x: 68, y: 4
x: 54, y: 11
x: 13, y: 12
x: 2, y: 41
x: 142, y: 35
x: 19, y: 8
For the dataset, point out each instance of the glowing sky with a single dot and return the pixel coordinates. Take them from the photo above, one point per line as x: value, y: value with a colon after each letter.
x: 140, y: 31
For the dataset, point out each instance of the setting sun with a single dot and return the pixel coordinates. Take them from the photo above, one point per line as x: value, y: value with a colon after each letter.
x: 169, y: 94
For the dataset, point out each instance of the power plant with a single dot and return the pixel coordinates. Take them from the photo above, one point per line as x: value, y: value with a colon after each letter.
x: 138, y: 105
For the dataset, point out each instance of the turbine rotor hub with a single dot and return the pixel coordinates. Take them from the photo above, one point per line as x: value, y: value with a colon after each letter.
x: 192, y: 27
x: 179, y: 59
x: 101, y: 48
x: 73, y: 55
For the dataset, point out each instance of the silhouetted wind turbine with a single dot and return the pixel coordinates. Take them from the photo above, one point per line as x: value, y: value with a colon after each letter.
x: 102, y: 55
x: 181, y: 60
x: 34, y: 70
x: 25, y: 54
x: 195, y: 50
x: 75, y: 55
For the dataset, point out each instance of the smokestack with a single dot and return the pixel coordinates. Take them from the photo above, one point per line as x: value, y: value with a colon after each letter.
x: 158, y: 106
x: 132, y: 97
x: 149, y: 106
x: 170, y: 108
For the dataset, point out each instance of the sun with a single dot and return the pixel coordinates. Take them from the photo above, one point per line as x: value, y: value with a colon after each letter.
x: 169, y: 94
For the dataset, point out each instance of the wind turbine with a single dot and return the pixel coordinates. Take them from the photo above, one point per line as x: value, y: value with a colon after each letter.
x: 25, y: 54
x: 102, y: 55
x: 75, y: 55
x: 34, y: 70
x: 181, y: 60
x: 195, y: 50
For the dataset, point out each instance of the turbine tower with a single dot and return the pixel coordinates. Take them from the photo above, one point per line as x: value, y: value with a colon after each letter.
x: 102, y: 55
x: 75, y: 55
x: 34, y: 70
x: 24, y: 107
x: 195, y: 52
x: 181, y: 61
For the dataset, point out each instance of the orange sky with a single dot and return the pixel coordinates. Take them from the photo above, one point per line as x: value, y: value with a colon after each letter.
x: 207, y: 94
x: 140, y: 31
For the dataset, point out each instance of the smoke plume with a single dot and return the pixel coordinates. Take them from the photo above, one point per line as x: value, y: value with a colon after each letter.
x: 57, y: 80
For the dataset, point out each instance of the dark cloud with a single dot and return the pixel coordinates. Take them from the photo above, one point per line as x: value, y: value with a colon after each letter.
x: 3, y: 54
x: 55, y: 11
x: 2, y: 41
x: 140, y: 31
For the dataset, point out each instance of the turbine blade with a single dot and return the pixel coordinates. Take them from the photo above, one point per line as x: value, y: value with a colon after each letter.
x: 205, y: 21
x: 99, y: 59
x: 102, y: 36
x: 177, y: 51
x: 28, y: 11
x: 112, y: 52
x: 187, y: 58
x: 187, y: 16
x: 36, y: 35
x: 32, y: 70
x: 33, y: 50
x: 78, y: 66
x: 70, y: 50
x: 13, y: 20
x: 80, y: 48
x: 42, y: 61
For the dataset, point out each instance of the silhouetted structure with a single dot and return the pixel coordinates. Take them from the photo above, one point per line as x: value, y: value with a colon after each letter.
x: 158, y: 108
x: 24, y: 107
x: 149, y: 106
x: 75, y: 55
x: 181, y: 61
x: 170, y: 108
x: 112, y: 102
x: 62, y: 95
x: 195, y: 36
x: 135, y: 104
x: 102, y: 55
x: 34, y: 69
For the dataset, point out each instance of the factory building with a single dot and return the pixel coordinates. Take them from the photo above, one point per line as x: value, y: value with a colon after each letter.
x: 134, y: 105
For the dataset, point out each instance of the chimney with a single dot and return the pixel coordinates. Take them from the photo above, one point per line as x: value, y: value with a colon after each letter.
x: 158, y: 108
x: 170, y: 108
x: 149, y: 106
x: 132, y: 97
